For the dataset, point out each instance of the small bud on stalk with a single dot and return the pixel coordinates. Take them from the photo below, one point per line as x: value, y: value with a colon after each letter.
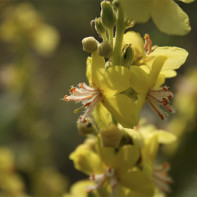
x: 107, y: 15
x: 105, y: 49
x: 86, y: 128
x: 89, y: 44
x: 99, y: 26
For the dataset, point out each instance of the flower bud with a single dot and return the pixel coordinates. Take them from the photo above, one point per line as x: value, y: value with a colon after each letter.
x: 100, y: 29
x: 116, y: 4
x: 127, y: 55
x: 112, y: 136
x: 86, y: 128
x: 89, y: 44
x: 107, y: 14
x: 105, y: 49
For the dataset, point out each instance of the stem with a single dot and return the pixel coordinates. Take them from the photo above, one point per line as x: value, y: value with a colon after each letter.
x: 111, y: 36
x: 120, y: 28
x: 104, y: 36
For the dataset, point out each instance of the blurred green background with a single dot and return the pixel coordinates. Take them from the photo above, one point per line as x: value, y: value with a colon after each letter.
x: 40, y: 58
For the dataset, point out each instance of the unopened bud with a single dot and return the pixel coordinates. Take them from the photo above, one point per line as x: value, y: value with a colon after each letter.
x: 107, y: 14
x: 86, y: 128
x: 127, y: 55
x: 112, y: 136
x: 105, y: 49
x: 89, y: 44
x: 116, y: 4
x: 99, y: 26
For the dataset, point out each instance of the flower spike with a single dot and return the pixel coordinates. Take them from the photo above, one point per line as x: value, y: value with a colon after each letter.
x: 158, y: 98
x: 85, y: 94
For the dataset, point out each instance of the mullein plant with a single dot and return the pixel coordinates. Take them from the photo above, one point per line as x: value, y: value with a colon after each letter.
x: 125, y: 71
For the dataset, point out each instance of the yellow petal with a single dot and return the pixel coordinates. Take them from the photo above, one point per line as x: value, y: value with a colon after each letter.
x: 155, y: 69
x: 137, y: 181
x: 170, y: 18
x: 151, y: 148
x: 175, y: 57
x: 160, y: 80
x: 137, y: 10
x: 120, y: 158
x: 102, y: 117
x: 139, y: 80
x: 123, y: 109
x: 165, y: 137
x: 187, y: 1
x: 125, y: 192
x: 116, y: 79
x: 137, y: 43
x: 87, y: 161
x: 78, y: 189
x: 153, y: 138
x: 95, y: 69
x: 169, y: 73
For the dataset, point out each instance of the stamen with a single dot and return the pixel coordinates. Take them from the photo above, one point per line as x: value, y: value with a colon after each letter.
x: 85, y: 94
x: 160, y: 177
x: 147, y: 44
x: 101, y: 178
x: 159, y: 100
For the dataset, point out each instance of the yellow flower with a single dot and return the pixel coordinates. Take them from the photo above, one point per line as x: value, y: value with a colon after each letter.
x: 149, y: 86
x: 105, y: 164
x: 148, y: 60
x: 175, y: 56
x: 166, y: 14
x: 107, y: 87
x: 145, y: 177
x: 152, y: 139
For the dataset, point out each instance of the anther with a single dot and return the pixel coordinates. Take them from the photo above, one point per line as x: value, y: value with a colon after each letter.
x: 147, y: 44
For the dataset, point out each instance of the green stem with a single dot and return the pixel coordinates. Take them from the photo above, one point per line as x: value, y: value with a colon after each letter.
x: 104, y: 36
x: 111, y: 36
x: 120, y: 28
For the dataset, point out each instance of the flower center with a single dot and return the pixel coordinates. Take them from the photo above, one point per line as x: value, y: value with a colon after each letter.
x: 160, y: 177
x: 158, y: 99
x: 99, y: 180
x: 85, y: 94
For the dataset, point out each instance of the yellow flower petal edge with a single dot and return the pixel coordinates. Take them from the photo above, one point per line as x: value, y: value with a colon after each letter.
x: 86, y: 160
x: 137, y: 43
x: 137, y: 181
x: 170, y: 18
x: 115, y: 80
x: 155, y: 70
x: 175, y: 57
x: 137, y: 10
x: 124, y: 110
x: 187, y: 1
x: 95, y: 69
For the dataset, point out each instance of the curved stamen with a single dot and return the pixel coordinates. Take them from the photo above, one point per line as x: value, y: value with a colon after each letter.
x: 100, y: 179
x: 159, y: 99
x: 147, y: 44
x: 160, y: 177
x: 85, y: 94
